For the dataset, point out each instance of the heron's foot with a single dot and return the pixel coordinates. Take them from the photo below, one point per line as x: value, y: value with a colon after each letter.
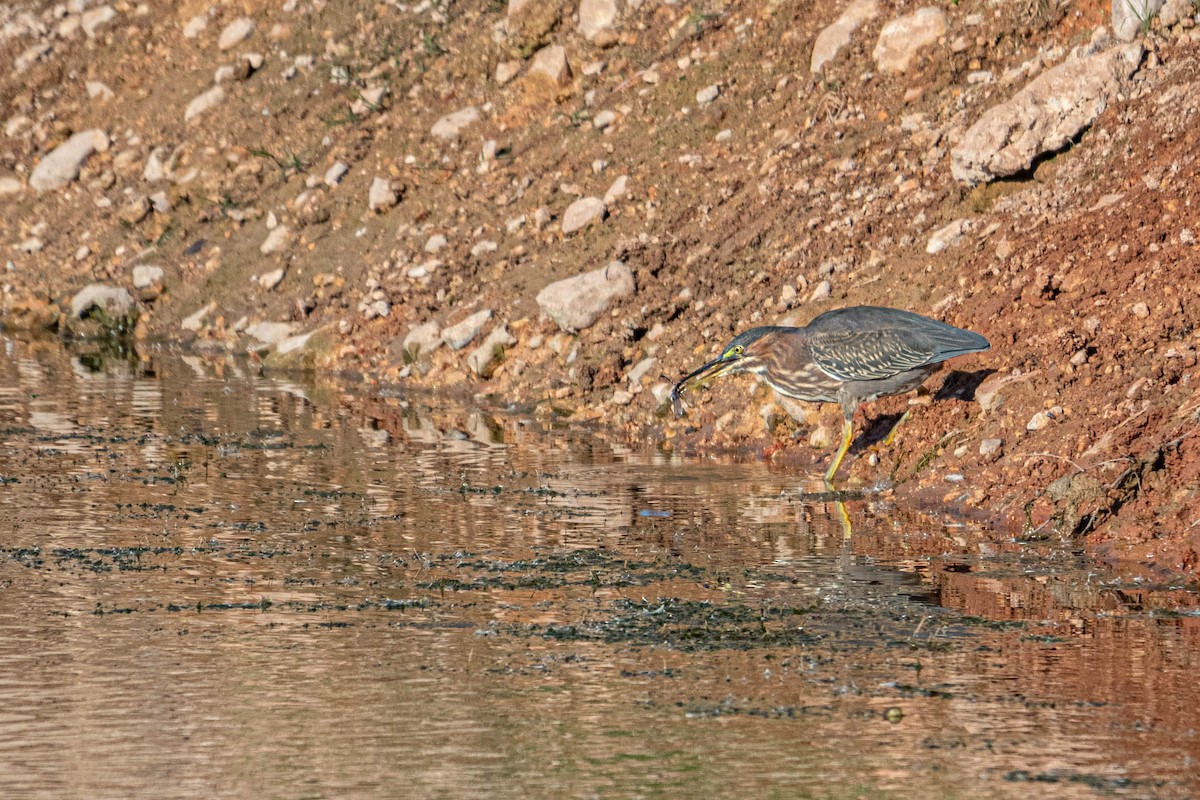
x: 887, y: 440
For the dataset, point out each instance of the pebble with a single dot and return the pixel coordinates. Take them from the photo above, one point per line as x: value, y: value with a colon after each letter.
x: 276, y: 240
x: 146, y: 275
x: 1043, y: 418
x: 96, y: 18
x: 235, y: 33
x: 582, y: 213
x: 837, y: 35
x: 483, y: 359
x: 551, y: 63
x: 596, y: 16
x: 435, y: 243
x: 195, y: 321
x: 618, y: 191
x: 62, y: 164
x: 99, y: 90
x: 422, y: 339
x: 901, y: 38
x: 640, y: 370
x: 203, y: 102
x: 822, y: 291
x: 950, y: 235
x: 194, y: 26
x: 708, y: 94
x: 381, y: 195
x: 450, y: 126
x: 459, y: 336
x: 1080, y: 358
x: 576, y: 303
x: 334, y: 175
x: 9, y: 185
x: 31, y: 245
x: 271, y: 332
x: 990, y: 447
x: 270, y: 280
x: 506, y: 71
x: 604, y: 119
x: 113, y: 300
x: 1140, y: 310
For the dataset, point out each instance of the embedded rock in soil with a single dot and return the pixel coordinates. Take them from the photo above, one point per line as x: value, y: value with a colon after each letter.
x: 113, y: 301
x: 235, y: 32
x: 1043, y: 117
x: 596, y: 16
x: 1129, y: 17
x: 459, y: 336
x: 146, y: 275
x: 837, y: 35
x: 422, y: 339
x: 203, y: 102
x: 948, y: 236
x: 270, y: 333
x: 551, y: 63
x: 483, y: 359
x: 63, y: 163
x: 901, y: 38
x: 576, y: 303
x: 582, y: 213
x: 450, y: 126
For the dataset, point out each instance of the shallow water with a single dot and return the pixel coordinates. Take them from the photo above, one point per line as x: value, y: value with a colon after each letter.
x: 214, y: 584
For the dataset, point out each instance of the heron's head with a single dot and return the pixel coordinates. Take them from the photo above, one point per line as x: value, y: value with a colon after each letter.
x: 744, y: 354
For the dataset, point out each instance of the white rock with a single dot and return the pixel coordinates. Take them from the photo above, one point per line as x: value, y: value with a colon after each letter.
x: 949, y: 235
x: 582, y: 213
x: 112, y: 300
x: 155, y: 170
x: 901, y: 38
x: 595, y: 16
x: 1130, y: 17
x: 458, y: 336
x: 483, y: 247
x: 194, y: 26
x: 62, y: 165
x: 708, y: 94
x: 422, y: 339
x: 483, y: 358
x: 1043, y: 418
x: 381, y: 195
x: 276, y: 240
x: 235, y: 33
x: 576, y: 303
x: 203, y: 102
x: 96, y: 18
x: 195, y: 321
x: 604, y: 119
x: 435, y: 243
x: 506, y: 71
x: 146, y: 275
x: 293, y: 343
x: 551, y: 63
x: 1043, y: 117
x: 822, y: 291
x: 9, y: 185
x: 271, y: 332
x: 270, y: 280
x: 990, y: 446
x: 833, y: 38
x: 31, y: 245
x: 640, y: 370
x: 98, y: 90
x: 334, y: 175
x: 618, y: 191
x: 450, y: 126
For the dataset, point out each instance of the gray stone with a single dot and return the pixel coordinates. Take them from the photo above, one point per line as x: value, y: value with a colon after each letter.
x: 901, y: 38
x: 194, y: 26
x: 96, y: 18
x: 576, y: 303
x: 990, y: 447
x: 276, y: 240
x: 949, y: 235
x: 450, y: 126
x: 604, y: 119
x: 381, y: 195
x: 640, y: 370
x: 596, y: 16
x: 1043, y: 117
x: 836, y: 36
x: 203, y: 102
x: 618, y: 191
x: 235, y: 33
x: 146, y: 275
x: 459, y: 336
x: 271, y: 332
x: 62, y: 164
x: 551, y: 63
x: 582, y: 213
x: 195, y: 321
x: 270, y: 280
x: 114, y: 301
x: 9, y: 185
x: 1131, y: 17
x: 708, y: 94
x: 483, y: 359
x: 334, y: 175
x: 506, y: 71
x: 422, y: 339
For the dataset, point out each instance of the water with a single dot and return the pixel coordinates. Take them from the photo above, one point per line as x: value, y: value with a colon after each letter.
x: 214, y: 584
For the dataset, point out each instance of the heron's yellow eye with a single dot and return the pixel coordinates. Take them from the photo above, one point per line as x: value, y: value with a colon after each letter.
x: 736, y: 350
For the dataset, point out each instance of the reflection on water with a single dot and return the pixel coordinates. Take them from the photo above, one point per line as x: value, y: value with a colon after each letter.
x: 214, y: 584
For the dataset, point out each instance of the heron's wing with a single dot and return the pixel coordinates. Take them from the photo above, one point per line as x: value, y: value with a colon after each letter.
x: 869, y: 355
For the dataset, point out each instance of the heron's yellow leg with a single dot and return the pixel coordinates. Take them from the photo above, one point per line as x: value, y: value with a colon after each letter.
x: 887, y: 440
x: 844, y: 515
x: 847, y: 435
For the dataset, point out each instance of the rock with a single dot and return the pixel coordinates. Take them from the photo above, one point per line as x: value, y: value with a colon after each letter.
x: 640, y: 370
x: 582, y: 213
x: 604, y: 119
x: 9, y: 185
x: 96, y: 18
x: 31, y: 245
x: 270, y: 280
x: 506, y: 71
x: 136, y: 210
x: 334, y: 175
x: 293, y: 344
x: 203, y: 102
x: 618, y: 191
x: 948, y: 236
x: 1140, y: 310
x: 836, y: 36
x: 1131, y: 17
x: 235, y: 33
x: 1173, y: 12
x: 450, y: 126
x: 596, y: 16
x: 271, y: 332
x: 1043, y: 418
x: 483, y: 359
x: 458, y: 336
x: 1043, y: 117
x: 146, y: 276
x: 483, y: 247
x: 708, y: 94
x: 551, y: 63
x: 155, y: 170
x: 901, y: 38
x: 576, y: 303
x: 113, y: 301
x: 822, y: 291
x: 990, y: 447
x: 529, y: 23
x: 435, y: 243
x: 194, y: 26
x: 195, y: 321
x: 381, y: 195
x: 62, y: 164
x: 99, y: 90
x: 276, y: 240
x: 422, y: 339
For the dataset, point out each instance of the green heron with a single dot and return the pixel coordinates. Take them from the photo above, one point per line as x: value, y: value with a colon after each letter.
x: 846, y: 356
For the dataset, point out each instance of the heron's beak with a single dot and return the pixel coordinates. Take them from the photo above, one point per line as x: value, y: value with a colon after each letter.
x: 710, y: 371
